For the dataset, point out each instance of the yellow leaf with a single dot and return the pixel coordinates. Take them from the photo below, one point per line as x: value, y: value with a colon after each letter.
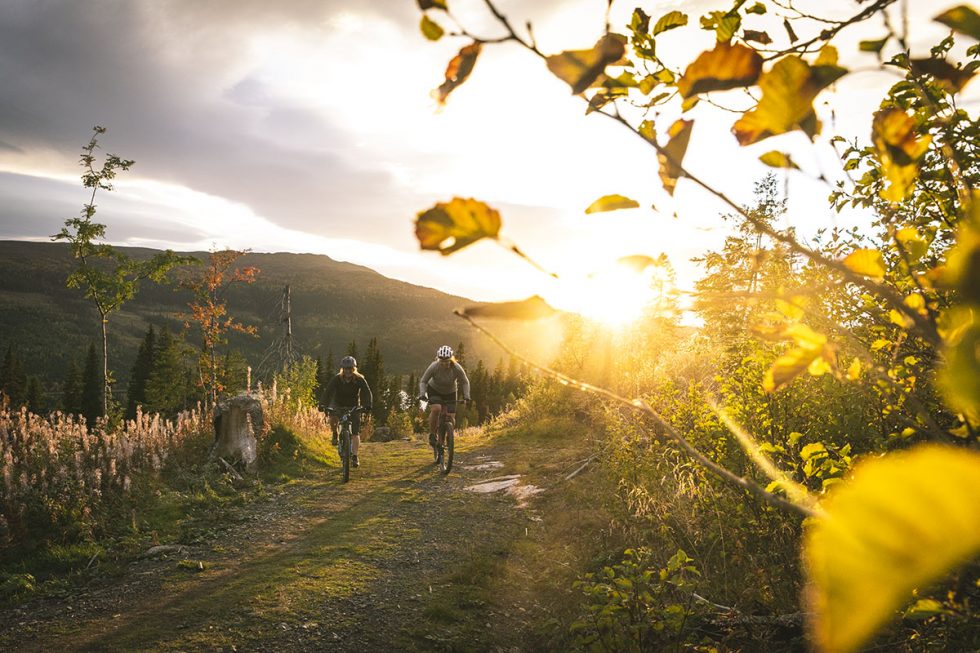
x: 775, y: 159
x: 818, y: 367
x: 611, y: 203
x: 431, y: 29
x: 901, y: 522
x: 899, y: 319
x: 457, y: 71
x: 959, y: 378
x: 866, y: 262
x: 724, y: 67
x: 805, y: 337
x: 899, y: 149
x: 880, y: 343
x: 676, y: 147
x: 916, y: 302
x: 963, y: 19
x: 670, y: 20
x: 827, y: 56
x: 912, y: 242
x: 787, y: 367
x: 854, y: 370
x: 788, y: 91
x: 792, y: 308
x: 448, y: 227
x: 580, y: 68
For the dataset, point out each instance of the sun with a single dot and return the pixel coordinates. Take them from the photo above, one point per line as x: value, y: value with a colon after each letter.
x: 615, y: 296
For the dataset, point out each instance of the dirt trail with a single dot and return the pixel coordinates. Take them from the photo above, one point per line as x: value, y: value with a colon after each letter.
x: 382, y: 563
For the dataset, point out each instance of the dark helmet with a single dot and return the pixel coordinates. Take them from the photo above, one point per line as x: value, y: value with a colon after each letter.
x: 348, y: 361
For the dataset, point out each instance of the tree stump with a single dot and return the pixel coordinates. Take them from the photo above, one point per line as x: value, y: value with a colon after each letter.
x: 236, y: 421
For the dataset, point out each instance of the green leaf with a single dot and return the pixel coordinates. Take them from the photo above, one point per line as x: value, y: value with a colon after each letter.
x: 788, y: 91
x: 458, y: 70
x: 901, y: 522
x: 669, y: 21
x: 873, y: 46
x: 757, y: 8
x: 673, y: 155
x: 724, y: 67
x: 612, y: 203
x: 811, y: 450
x: 449, y: 227
x: 431, y: 29
x: 962, y: 19
x: 580, y: 68
x: 532, y: 308
x: 899, y: 149
x: 776, y: 159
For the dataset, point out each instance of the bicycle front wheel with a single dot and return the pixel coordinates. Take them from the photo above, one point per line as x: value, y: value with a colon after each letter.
x: 345, y: 454
x: 447, y: 456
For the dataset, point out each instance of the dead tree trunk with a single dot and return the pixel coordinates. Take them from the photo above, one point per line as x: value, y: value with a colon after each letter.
x: 236, y: 421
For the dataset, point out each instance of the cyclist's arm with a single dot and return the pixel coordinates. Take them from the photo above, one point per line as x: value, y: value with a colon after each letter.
x: 424, y: 381
x: 367, y: 399
x: 329, y: 391
x: 463, y: 380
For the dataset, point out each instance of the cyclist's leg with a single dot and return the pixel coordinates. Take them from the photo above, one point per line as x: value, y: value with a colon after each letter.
x: 334, y: 426
x: 355, y: 433
x: 450, y: 408
x: 435, y: 409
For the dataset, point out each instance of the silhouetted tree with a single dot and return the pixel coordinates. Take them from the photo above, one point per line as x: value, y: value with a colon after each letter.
x: 136, y: 392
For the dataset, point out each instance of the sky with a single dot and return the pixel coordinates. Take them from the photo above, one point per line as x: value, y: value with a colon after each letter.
x: 308, y: 126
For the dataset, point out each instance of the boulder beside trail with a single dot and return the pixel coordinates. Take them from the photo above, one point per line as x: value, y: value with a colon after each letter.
x: 236, y: 421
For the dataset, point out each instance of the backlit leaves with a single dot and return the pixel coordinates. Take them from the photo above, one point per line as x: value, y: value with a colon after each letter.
x: 612, y: 203
x: 532, y: 308
x: 431, y: 29
x: 963, y: 19
x: 953, y: 79
x: 673, y: 155
x: 724, y: 67
x: 899, y: 149
x: 866, y: 262
x: 873, y: 46
x: 900, y: 523
x: 810, y: 352
x: 580, y: 68
x: 724, y: 24
x: 960, y: 377
x: 457, y: 71
x: 449, y: 227
x: 788, y: 91
x: 775, y: 159
x: 669, y: 21
x: 432, y: 4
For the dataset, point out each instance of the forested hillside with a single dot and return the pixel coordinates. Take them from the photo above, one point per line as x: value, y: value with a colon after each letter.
x: 332, y: 304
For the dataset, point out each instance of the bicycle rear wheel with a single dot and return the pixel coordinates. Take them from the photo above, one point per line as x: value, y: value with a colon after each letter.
x: 447, y: 456
x: 345, y: 454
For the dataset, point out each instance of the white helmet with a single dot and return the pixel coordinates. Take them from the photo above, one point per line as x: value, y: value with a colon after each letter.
x: 444, y: 352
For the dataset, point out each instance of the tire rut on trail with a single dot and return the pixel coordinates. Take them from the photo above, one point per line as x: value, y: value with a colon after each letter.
x: 318, y: 566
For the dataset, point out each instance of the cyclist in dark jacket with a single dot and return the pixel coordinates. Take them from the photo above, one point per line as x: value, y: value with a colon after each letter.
x: 345, y: 391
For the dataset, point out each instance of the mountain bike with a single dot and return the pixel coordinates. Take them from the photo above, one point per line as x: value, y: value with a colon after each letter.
x: 446, y: 432
x: 344, y: 438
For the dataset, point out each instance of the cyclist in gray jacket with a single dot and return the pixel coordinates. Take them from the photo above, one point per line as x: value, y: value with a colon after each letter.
x: 439, y: 384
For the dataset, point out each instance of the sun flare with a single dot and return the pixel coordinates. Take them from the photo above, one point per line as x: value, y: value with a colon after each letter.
x: 615, y: 297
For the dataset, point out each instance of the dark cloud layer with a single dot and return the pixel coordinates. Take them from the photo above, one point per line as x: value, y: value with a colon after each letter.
x: 166, y: 78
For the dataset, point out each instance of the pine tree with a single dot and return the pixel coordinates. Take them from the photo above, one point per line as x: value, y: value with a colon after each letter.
x: 14, y: 378
x: 460, y: 354
x: 71, y: 392
x: 374, y: 373
x: 34, y: 398
x: 136, y: 392
x: 329, y: 366
x: 170, y: 387
x: 352, y: 349
x: 92, y: 406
